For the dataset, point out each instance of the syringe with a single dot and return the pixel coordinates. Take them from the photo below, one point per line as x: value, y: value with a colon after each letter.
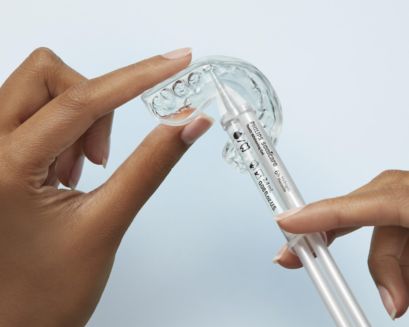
x: 268, y: 172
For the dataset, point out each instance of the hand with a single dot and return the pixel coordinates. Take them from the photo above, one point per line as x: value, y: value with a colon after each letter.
x: 57, y: 246
x: 383, y: 203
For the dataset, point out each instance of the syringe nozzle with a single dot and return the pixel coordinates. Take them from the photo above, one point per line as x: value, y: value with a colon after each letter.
x: 233, y: 103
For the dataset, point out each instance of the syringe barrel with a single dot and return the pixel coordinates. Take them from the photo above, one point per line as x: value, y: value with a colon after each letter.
x: 287, y: 191
x: 280, y: 193
x: 258, y: 171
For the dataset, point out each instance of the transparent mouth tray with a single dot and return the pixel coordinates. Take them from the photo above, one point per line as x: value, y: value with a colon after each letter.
x: 179, y: 99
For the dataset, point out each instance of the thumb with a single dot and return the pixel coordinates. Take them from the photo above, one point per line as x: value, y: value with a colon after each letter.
x: 114, y: 204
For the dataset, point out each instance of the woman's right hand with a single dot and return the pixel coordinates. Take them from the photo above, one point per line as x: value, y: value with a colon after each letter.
x: 383, y: 203
x: 57, y: 246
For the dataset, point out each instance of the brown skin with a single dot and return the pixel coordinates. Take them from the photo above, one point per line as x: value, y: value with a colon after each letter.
x: 383, y: 203
x: 57, y: 246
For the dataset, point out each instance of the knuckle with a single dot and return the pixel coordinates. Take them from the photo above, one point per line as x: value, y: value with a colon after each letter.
x: 44, y: 58
x: 394, y: 196
x: 336, y: 205
x: 398, y: 192
x: 338, y: 210
x: 377, y: 263
x: 372, y: 263
x: 145, y: 65
x: 375, y: 260
x: 391, y: 175
x: 77, y: 97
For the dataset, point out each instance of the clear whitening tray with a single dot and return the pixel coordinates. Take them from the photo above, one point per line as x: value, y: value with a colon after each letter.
x: 251, y: 116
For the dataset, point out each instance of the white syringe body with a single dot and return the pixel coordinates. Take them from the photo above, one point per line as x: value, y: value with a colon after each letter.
x: 260, y: 168
x: 256, y: 149
x: 280, y: 193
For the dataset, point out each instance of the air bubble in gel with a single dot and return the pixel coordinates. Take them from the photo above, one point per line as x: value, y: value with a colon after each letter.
x: 193, y: 79
x: 207, y: 68
x: 193, y: 88
x: 166, y: 94
x: 164, y: 102
x: 179, y: 88
x: 157, y: 102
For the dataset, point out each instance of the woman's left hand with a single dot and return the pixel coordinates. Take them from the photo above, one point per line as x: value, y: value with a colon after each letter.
x: 383, y: 203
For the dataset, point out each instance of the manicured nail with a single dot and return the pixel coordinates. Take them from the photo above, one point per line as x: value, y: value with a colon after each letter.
x: 178, y: 53
x: 387, y: 301
x: 288, y: 213
x: 105, y: 154
x: 280, y: 253
x: 196, y: 128
x: 76, y: 172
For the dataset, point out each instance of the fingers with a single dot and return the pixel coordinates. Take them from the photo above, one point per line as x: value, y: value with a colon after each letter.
x: 41, y: 77
x: 94, y: 144
x: 391, y: 176
x: 69, y: 165
x: 384, y: 264
x: 112, y: 207
x: 288, y: 259
x: 384, y: 206
x: 97, y: 140
x: 62, y: 121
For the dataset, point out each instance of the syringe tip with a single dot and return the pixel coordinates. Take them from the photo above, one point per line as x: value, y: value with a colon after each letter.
x: 233, y: 103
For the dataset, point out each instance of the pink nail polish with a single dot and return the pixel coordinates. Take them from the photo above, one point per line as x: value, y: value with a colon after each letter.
x: 288, y: 213
x: 177, y: 54
x: 76, y: 172
x: 195, y: 129
x: 387, y: 301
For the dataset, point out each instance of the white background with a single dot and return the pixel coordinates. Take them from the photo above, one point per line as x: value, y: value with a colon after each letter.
x: 199, y: 253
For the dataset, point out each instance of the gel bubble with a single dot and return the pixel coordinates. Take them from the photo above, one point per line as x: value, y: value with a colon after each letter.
x: 179, y: 88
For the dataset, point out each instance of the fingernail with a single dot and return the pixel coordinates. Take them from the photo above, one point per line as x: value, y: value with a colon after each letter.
x: 195, y: 129
x: 288, y: 213
x: 177, y: 54
x: 280, y: 253
x: 387, y: 301
x: 105, y: 154
x: 76, y: 173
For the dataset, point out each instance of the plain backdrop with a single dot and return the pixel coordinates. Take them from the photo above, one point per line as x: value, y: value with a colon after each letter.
x: 200, y: 252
